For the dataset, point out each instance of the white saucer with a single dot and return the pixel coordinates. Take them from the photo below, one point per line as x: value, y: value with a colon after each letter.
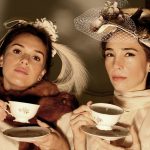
x: 116, y: 133
x: 26, y: 134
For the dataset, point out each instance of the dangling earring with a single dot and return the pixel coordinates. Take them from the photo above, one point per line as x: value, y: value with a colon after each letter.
x: 39, y: 79
x: 1, y: 61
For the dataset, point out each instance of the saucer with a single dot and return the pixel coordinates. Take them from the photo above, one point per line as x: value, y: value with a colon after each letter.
x: 26, y: 134
x: 116, y: 133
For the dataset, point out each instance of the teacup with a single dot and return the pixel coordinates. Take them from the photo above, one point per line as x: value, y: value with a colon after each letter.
x: 21, y: 111
x: 105, y: 115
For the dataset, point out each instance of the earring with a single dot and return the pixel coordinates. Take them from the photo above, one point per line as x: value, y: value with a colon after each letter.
x: 39, y: 79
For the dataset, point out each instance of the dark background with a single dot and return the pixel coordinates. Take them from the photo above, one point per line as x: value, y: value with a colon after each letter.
x: 63, y: 13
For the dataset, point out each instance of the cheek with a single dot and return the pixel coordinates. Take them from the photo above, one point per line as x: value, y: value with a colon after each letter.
x: 7, y: 66
x: 9, y: 60
x: 137, y: 73
x: 140, y: 67
x: 36, y: 71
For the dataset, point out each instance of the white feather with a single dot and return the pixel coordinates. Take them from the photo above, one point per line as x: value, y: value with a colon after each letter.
x: 73, y: 75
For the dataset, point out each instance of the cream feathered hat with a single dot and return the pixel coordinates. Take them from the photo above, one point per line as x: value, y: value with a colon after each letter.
x: 100, y: 23
x: 73, y: 74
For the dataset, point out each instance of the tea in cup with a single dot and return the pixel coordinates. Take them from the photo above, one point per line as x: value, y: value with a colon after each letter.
x: 22, y: 111
x: 105, y: 115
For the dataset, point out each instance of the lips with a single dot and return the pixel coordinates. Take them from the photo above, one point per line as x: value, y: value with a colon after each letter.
x: 21, y: 70
x: 118, y: 78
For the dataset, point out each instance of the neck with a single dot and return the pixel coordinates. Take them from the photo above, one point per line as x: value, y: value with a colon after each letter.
x: 132, y: 100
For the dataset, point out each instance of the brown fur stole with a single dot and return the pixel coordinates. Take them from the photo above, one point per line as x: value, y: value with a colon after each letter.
x: 53, y: 104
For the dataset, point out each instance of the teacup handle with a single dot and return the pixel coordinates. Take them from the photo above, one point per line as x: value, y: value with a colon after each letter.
x: 7, y: 104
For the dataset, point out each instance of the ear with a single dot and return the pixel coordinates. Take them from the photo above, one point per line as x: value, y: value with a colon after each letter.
x: 41, y: 75
x: 1, y: 61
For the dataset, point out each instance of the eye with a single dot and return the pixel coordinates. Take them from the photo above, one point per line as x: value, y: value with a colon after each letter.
x: 16, y: 51
x: 129, y: 54
x: 36, y: 58
x: 108, y: 54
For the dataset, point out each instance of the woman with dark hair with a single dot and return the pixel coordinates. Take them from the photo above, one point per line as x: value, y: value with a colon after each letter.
x: 26, y: 52
x: 125, y: 39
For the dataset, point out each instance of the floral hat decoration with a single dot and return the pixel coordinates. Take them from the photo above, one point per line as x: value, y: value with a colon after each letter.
x: 99, y: 23
x: 73, y: 75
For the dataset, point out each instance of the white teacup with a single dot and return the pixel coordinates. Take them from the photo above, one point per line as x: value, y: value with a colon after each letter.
x: 105, y: 115
x: 22, y: 111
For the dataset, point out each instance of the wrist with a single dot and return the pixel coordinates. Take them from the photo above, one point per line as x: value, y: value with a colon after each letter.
x: 80, y: 143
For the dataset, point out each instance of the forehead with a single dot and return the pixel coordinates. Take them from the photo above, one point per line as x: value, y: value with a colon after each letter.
x: 123, y: 37
x: 29, y: 39
x: 123, y: 41
x: 26, y: 36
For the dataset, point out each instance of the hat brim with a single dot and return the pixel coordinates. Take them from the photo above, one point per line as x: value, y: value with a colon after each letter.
x: 84, y: 22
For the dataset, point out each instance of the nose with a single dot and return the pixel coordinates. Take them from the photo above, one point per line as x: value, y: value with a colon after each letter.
x: 118, y: 63
x: 25, y: 59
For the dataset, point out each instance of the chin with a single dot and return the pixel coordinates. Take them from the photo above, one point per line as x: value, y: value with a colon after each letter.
x: 18, y: 85
x: 121, y: 89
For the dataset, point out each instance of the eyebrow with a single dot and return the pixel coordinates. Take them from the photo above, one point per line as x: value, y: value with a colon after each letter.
x: 38, y: 51
x: 130, y: 49
x: 124, y: 49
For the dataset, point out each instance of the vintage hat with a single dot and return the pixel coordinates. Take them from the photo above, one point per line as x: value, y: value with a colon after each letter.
x: 99, y: 23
